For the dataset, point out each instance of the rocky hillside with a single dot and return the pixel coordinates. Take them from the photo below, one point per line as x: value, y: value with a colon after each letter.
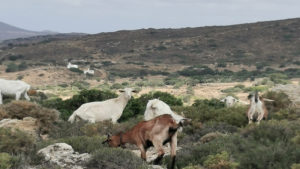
x: 12, y: 32
x: 265, y: 42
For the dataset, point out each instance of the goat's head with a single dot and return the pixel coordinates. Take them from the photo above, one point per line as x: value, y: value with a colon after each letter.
x: 229, y: 101
x: 253, y: 96
x: 128, y: 92
x: 113, y: 141
x: 185, y: 121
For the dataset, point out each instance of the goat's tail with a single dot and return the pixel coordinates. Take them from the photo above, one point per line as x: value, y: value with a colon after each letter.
x: 72, y: 118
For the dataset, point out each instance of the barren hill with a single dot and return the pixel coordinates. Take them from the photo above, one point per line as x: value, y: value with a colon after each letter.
x: 265, y: 42
x: 11, y: 32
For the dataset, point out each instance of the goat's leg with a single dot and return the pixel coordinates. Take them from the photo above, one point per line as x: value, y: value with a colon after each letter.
x: 26, y: 96
x: 159, y: 148
x: 143, y: 152
x: 260, y: 116
x: 18, y: 95
x: 173, y: 144
x: 1, y: 98
x: 250, y: 115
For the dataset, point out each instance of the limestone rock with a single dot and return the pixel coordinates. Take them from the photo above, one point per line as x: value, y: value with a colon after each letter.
x: 63, y: 155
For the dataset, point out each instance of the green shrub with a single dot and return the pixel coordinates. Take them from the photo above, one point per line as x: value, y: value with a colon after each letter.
x: 5, y: 161
x: 22, y: 66
x: 12, y: 67
x: 272, y: 131
x: 76, y: 70
x: 133, y: 108
x: 295, y: 166
x: 257, y: 149
x: 235, y: 116
x: 221, y: 64
x: 82, y: 85
x: 216, y: 103
x: 15, y: 141
x: 84, y: 144
x: 163, y: 96
x: 116, y: 86
x: 193, y: 167
x: 279, y: 78
x: 260, y: 88
x: 219, y: 161
x: 281, y: 101
x: 106, y: 158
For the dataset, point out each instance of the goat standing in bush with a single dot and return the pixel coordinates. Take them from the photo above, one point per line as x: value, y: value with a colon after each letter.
x: 156, y: 132
x: 111, y: 109
x: 13, y: 88
x: 257, y: 105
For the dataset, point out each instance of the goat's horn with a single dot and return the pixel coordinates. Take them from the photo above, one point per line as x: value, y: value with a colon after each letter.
x: 269, y: 100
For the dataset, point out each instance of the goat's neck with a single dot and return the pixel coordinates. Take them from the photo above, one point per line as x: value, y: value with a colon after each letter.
x: 127, y: 138
x: 123, y: 100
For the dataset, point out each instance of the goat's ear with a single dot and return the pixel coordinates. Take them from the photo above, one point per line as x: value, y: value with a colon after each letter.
x: 135, y: 91
x: 249, y: 96
x: 108, y: 135
x: 121, y: 90
x: 182, y: 114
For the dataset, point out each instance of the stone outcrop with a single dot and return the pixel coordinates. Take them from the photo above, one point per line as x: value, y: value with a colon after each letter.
x: 63, y: 155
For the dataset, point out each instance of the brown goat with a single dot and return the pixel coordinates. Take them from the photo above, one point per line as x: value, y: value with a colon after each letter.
x: 155, y: 132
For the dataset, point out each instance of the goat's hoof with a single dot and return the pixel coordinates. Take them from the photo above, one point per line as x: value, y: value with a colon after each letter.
x: 157, y: 161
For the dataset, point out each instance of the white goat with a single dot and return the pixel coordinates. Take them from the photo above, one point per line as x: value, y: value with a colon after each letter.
x: 257, y: 106
x: 70, y: 65
x: 13, y: 88
x: 88, y: 71
x: 157, y: 107
x: 111, y: 109
x: 229, y: 101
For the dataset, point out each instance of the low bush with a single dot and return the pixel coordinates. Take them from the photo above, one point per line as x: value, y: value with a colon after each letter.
x: 218, y: 161
x: 235, y: 116
x: 281, y: 101
x: 106, y: 158
x: 84, y: 144
x: 216, y: 103
x: 279, y: 78
x: 15, y: 141
x: 76, y: 70
x: 295, y: 166
x: 5, y: 161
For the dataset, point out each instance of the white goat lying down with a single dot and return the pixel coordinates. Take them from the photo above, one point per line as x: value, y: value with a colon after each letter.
x: 70, y: 65
x: 13, y: 88
x: 157, y: 107
x: 111, y: 109
x: 231, y: 101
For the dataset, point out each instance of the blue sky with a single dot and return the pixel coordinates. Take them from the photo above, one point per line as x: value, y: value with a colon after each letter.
x: 94, y: 16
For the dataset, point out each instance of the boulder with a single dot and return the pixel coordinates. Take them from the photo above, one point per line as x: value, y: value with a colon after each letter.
x: 63, y: 155
x: 27, y: 125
